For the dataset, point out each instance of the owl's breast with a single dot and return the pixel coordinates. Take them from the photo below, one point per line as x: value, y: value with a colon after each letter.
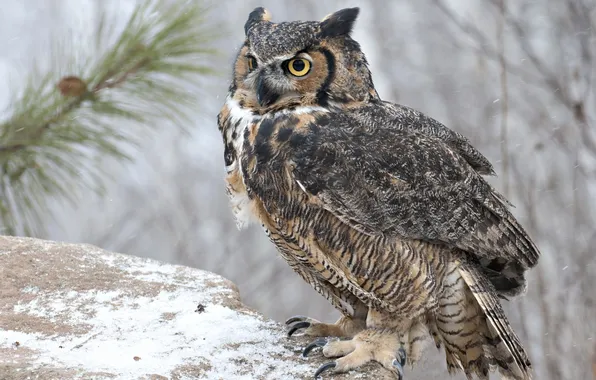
x: 258, y: 153
x: 267, y: 161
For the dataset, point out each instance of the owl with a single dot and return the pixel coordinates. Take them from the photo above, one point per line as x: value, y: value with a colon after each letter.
x: 383, y: 210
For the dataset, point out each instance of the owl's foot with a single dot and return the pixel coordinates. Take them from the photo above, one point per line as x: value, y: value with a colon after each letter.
x: 344, y: 327
x: 369, y: 345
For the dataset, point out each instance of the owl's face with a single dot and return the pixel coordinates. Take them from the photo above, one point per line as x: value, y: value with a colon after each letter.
x: 283, y: 65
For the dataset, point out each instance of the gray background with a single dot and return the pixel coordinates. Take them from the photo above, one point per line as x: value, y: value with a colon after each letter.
x: 534, y: 120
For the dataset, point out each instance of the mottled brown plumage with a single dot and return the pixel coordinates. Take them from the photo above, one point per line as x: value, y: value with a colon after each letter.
x: 382, y: 209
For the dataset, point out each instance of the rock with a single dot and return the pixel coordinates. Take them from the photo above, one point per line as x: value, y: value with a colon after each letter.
x: 70, y: 311
x: 594, y: 361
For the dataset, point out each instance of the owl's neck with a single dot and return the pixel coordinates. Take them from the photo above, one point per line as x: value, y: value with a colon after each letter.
x: 235, y: 119
x: 353, y: 95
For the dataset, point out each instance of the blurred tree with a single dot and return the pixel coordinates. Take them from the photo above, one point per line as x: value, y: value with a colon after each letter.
x: 594, y: 362
x: 61, y: 125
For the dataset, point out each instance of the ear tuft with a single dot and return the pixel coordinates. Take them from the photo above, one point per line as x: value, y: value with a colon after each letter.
x: 339, y: 23
x: 257, y: 15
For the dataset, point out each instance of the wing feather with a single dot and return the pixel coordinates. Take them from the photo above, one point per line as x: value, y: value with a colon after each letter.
x: 400, y: 182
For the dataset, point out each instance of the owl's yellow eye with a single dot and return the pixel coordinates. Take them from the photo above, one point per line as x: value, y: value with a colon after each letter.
x: 252, y: 63
x: 299, y: 67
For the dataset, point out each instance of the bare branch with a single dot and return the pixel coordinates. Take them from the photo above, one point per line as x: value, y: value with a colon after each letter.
x: 484, y: 46
x: 504, y: 100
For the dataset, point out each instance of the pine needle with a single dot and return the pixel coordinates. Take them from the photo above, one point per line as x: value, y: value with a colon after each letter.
x: 59, y: 124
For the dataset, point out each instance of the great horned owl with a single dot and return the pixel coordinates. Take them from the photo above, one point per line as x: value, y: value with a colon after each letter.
x: 383, y: 210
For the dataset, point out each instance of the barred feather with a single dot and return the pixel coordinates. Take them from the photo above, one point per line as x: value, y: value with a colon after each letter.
x: 501, y: 343
x: 383, y: 210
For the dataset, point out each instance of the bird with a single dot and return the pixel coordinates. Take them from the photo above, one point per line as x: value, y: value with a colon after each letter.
x: 385, y: 211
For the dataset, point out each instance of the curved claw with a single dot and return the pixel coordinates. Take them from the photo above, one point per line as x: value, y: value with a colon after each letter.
x: 399, y: 367
x: 319, y: 342
x: 402, y: 353
x: 296, y: 318
x: 298, y: 326
x: 324, y: 368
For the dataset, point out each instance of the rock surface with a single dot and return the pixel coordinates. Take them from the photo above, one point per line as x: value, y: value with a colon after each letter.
x: 72, y: 311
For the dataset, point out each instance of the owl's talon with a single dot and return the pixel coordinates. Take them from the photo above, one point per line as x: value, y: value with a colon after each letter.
x: 296, y: 318
x: 319, y: 342
x: 402, y: 354
x: 323, y: 368
x: 400, y: 369
x: 297, y: 326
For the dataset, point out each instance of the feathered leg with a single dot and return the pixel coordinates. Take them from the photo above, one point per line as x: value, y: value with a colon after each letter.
x: 382, y: 346
x: 387, y: 340
x: 348, y: 325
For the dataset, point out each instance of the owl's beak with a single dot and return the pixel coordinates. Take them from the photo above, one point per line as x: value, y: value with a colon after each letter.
x: 266, y: 96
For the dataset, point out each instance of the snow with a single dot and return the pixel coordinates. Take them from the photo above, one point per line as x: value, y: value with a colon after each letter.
x: 165, y: 331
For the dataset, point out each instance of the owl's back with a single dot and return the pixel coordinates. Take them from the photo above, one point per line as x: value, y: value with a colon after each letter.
x: 400, y: 117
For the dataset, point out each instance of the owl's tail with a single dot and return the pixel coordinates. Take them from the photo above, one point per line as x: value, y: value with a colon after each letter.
x: 472, y: 325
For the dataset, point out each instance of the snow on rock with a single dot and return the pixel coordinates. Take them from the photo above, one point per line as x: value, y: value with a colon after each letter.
x: 71, y: 311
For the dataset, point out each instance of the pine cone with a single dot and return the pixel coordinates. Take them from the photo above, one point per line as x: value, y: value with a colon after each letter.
x: 72, y: 86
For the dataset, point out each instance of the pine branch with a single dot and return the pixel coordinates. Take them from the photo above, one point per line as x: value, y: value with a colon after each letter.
x: 61, y: 124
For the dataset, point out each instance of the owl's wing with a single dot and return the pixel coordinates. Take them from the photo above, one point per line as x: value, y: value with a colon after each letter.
x: 406, y: 117
x: 381, y: 180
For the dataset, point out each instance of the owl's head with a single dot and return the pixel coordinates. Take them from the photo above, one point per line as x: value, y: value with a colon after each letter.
x: 283, y: 65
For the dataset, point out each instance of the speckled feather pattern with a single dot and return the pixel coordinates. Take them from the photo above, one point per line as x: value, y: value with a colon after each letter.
x: 382, y: 209
x: 405, y: 183
x: 273, y: 40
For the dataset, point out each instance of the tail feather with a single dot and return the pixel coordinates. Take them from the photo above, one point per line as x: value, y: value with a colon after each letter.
x: 504, y: 224
x: 507, y: 276
x: 473, y: 329
x: 502, y: 343
x: 458, y: 324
